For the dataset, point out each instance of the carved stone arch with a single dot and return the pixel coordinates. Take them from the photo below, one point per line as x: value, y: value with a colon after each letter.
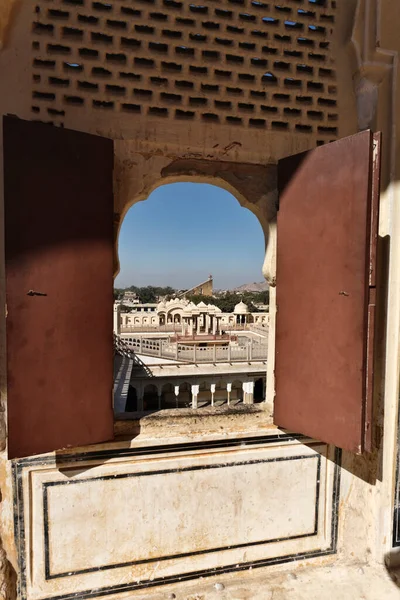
x: 253, y: 186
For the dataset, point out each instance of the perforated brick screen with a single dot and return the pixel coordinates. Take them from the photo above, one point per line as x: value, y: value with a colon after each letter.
x: 244, y: 63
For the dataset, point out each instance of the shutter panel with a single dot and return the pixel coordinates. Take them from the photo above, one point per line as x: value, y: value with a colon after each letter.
x: 59, y: 280
x: 327, y: 232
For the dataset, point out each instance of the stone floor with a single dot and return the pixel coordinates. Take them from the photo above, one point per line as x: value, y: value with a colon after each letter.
x: 333, y: 582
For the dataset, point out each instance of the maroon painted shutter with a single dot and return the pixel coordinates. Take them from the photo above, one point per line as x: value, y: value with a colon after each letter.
x: 327, y: 232
x: 59, y: 280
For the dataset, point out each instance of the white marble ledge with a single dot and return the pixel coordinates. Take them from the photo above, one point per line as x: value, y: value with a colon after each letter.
x: 187, y: 426
x: 237, y: 420
x: 167, y: 429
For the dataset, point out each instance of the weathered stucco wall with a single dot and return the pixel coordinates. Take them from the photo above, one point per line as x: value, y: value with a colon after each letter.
x: 149, y: 152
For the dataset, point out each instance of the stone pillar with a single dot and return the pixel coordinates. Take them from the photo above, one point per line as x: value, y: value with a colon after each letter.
x: 176, y: 392
x: 198, y: 324
x: 195, y: 393
x: 248, y: 390
x: 228, y: 390
x: 208, y: 323
x: 251, y: 392
x: 212, y: 389
x: 214, y: 324
x: 117, y: 319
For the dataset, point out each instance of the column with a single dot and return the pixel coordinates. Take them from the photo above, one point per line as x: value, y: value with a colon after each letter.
x: 214, y: 324
x: 251, y: 392
x: 208, y: 323
x: 228, y: 390
x: 117, y: 319
x: 176, y: 392
x: 248, y: 390
x: 198, y: 324
x: 195, y: 393
x: 212, y: 389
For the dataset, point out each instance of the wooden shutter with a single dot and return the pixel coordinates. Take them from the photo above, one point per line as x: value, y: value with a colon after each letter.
x: 59, y: 280
x: 327, y: 232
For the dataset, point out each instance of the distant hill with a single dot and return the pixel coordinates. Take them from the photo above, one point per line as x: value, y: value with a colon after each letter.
x: 253, y: 287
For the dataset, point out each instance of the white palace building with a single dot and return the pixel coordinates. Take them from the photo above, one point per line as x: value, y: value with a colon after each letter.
x: 181, y: 315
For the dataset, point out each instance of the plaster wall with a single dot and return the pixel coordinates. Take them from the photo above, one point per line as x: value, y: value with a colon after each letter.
x: 147, y: 154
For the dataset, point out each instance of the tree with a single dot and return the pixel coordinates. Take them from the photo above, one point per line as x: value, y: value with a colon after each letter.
x: 147, y: 295
x: 118, y: 293
x: 125, y: 309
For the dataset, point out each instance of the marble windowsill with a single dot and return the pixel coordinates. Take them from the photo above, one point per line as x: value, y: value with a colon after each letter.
x: 186, y: 421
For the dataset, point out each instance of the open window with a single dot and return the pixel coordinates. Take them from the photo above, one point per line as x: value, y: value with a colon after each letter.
x: 184, y: 338
x: 59, y: 284
x: 326, y: 277
x: 59, y: 277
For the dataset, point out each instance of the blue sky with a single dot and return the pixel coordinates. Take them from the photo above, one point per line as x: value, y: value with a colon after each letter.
x: 183, y: 233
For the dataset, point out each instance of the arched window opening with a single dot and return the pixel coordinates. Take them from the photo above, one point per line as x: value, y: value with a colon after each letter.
x: 170, y: 312
x: 150, y: 397
x: 131, y: 400
x: 259, y: 390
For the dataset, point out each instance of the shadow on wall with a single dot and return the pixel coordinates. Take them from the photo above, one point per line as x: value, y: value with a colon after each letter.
x: 392, y: 564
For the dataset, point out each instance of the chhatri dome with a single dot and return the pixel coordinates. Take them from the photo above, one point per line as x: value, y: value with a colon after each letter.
x: 241, y: 308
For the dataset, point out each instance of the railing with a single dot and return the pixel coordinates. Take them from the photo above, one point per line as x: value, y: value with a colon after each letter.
x: 195, y: 354
x: 169, y: 328
x: 259, y: 328
x: 203, y: 338
x: 177, y: 328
